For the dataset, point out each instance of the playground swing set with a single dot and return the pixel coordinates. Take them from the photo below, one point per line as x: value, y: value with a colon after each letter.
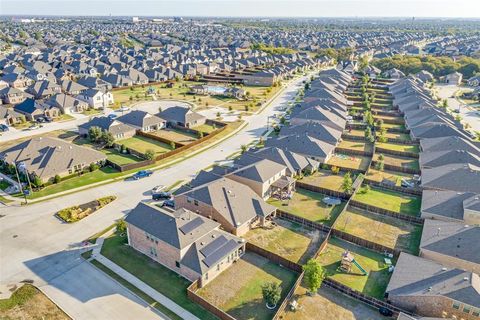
x: 346, y: 263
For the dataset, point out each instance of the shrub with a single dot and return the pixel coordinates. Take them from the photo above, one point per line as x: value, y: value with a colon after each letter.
x: 271, y: 292
x: 347, y: 183
x: 93, y: 167
x: 314, y: 275
x: 37, y: 181
x: 172, y: 145
x: 57, y: 179
x: 335, y: 170
x: 149, y: 154
x: 121, y: 226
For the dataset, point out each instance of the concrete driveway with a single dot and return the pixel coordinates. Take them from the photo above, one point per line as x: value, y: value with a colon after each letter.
x: 36, y: 245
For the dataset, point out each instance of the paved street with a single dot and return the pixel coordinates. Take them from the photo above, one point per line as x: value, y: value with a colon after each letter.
x: 30, y: 235
x: 468, y: 114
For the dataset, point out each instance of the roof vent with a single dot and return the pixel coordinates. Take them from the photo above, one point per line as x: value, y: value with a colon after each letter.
x: 444, y: 269
x: 429, y: 289
x: 213, y: 236
x: 202, y: 243
x: 465, y: 279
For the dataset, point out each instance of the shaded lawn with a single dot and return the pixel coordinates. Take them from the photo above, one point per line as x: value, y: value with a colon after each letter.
x: 176, y: 135
x: 325, y: 179
x: 288, y: 240
x: 238, y: 291
x: 155, y: 275
x: 398, y: 136
x: 142, y: 144
x: 391, y: 200
x: 328, y: 304
x: 355, y: 132
x: 384, y: 230
x: 349, y: 161
x: 393, y: 176
x: 111, y: 153
x: 373, y: 284
x: 397, y: 161
x: 356, y: 145
x: 309, y: 205
x: 393, y: 126
x: 398, y: 147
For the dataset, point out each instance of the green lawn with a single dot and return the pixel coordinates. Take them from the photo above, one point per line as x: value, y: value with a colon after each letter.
x: 398, y: 147
x: 399, y: 136
x: 356, y: 145
x: 392, y: 176
x: 238, y: 291
x: 349, y: 161
x: 309, y: 205
x: 390, y: 200
x: 373, y: 284
x: 205, y: 128
x: 111, y: 153
x: 142, y: 144
x: 289, y: 240
x: 384, y: 230
x: 155, y: 275
x: 404, y: 162
x: 325, y: 179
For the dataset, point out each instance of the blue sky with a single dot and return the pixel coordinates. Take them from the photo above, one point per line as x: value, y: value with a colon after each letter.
x: 244, y: 8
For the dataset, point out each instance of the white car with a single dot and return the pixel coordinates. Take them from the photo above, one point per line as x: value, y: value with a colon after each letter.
x: 158, y: 189
x: 124, y: 109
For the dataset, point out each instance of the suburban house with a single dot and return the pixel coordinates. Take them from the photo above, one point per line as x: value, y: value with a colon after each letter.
x: 234, y: 205
x: 182, y: 116
x: 11, y: 95
x: 460, y: 207
x: 265, y: 177
x: 34, y: 109
x: 10, y: 117
x: 47, y: 157
x: 451, y: 243
x: 67, y: 104
x: 432, y: 289
x: 454, y: 78
x: 142, y: 121
x: 118, y: 129
x: 96, y: 99
x: 187, y: 243
x: 461, y: 177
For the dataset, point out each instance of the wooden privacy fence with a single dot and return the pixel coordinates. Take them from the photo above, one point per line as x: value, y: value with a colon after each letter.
x: 412, y: 191
x: 318, y: 189
x: 353, y: 152
x: 397, y: 153
x: 302, y: 221
x: 385, y: 212
x: 160, y: 139
x: 398, y: 168
x: 273, y: 257
x: 347, y: 136
x: 192, y: 295
x: 365, y: 243
x: 288, y: 297
x: 402, y: 141
x: 357, y: 295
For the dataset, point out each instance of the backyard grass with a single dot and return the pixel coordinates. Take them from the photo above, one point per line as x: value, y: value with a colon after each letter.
x: 28, y: 302
x: 398, y: 136
x: 112, y: 154
x: 289, y: 240
x: 356, y: 145
x: 391, y: 176
x: 329, y: 304
x: 393, y: 126
x: 142, y: 144
x: 398, y: 147
x: 355, y: 132
x: 176, y: 135
x: 238, y: 291
x: 384, y: 230
x: 404, y: 162
x: 309, y: 205
x: 373, y: 284
x: 205, y: 128
x: 349, y: 161
x: 155, y: 275
x: 391, y: 200
x: 325, y: 179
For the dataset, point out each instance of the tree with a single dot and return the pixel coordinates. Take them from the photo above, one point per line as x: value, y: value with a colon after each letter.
x: 335, y: 170
x: 314, y: 275
x: 445, y: 103
x: 200, y: 134
x: 347, y: 183
x: 244, y: 148
x: 271, y: 292
x: 172, y: 145
x: 149, y: 154
x: 57, y: 179
x: 107, y: 138
x: 37, y: 181
x: 121, y: 226
x: 94, y: 134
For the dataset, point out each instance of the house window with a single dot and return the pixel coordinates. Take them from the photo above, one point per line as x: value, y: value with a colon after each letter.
x: 206, y: 276
x: 177, y: 264
x: 466, y: 309
x: 153, y: 251
x: 476, y: 313
x: 189, y: 200
x: 456, y: 305
x: 218, y: 267
x: 195, y: 202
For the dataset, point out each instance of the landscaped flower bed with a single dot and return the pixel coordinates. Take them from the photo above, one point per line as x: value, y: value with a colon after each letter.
x: 76, y: 213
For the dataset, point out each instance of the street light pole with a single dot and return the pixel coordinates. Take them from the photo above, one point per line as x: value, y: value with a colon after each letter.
x: 19, y: 182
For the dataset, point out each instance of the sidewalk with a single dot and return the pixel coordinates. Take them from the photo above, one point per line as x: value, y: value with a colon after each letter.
x: 154, y: 294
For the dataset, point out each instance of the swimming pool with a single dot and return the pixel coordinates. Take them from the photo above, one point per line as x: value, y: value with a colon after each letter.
x: 216, y: 90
